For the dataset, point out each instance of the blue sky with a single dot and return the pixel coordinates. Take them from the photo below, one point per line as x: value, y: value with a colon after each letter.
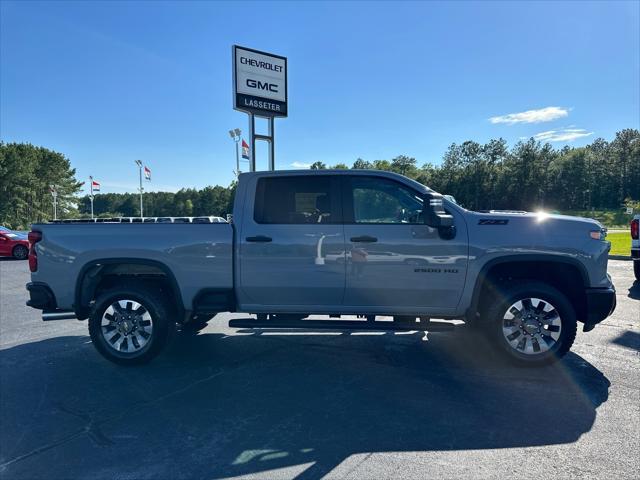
x: 106, y: 83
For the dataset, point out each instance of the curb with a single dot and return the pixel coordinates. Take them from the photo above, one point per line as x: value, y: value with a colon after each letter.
x: 619, y: 257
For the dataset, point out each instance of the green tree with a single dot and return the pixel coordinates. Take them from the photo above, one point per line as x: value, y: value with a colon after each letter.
x: 26, y: 173
x: 318, y: 166
x: 361, y: 164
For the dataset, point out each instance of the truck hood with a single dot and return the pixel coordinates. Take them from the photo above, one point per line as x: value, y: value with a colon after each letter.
x: 540, y: 217
x: 533, y: 227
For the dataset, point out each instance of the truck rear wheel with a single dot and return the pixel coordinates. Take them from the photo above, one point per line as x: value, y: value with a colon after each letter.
x: 131, y: 324
x: 636, y: 269
x: 532, y: 323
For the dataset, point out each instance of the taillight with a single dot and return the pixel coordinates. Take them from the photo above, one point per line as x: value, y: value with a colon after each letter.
x: 635, y: 227
x: 34, y: 237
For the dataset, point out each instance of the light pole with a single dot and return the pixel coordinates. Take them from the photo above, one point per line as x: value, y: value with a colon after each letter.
x: 235, y: 134
x: 139, y: 163
x: 54, y: 194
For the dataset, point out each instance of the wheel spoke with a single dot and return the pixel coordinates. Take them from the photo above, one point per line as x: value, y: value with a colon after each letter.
x: 144, y: 334
x: 549, y: 317
x: 540, y: 307
x: 114, y: 338
x: 543, y: 342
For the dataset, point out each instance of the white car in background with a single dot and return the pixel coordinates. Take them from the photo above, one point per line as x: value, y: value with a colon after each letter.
x: 635, y: 245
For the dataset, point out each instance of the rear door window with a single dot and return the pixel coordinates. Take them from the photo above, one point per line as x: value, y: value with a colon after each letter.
x: 298, y: 200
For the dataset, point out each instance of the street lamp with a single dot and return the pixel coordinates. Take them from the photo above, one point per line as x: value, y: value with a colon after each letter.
x: 235, y: 134
x: 139, y: 163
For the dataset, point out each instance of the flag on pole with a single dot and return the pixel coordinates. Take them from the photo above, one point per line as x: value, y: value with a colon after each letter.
x: 245, y: 150
x: 95, y: 186
x: 147, y: 173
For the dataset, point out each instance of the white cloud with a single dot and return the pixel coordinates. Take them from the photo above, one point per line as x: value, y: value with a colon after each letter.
x: 532, y: 116
x: 562, y: 135
x: 300, y: 165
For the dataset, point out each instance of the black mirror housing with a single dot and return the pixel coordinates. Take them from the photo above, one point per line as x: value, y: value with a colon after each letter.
x: 434, y: 213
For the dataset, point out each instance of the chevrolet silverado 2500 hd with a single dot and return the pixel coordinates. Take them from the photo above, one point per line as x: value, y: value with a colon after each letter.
x: 332, y: 243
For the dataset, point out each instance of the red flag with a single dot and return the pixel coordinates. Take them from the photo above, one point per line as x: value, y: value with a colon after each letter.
x: 95, y: 186
x: 147, y: 173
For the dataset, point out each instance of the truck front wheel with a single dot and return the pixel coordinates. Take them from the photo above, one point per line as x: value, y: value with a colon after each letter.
x: 130, y: 324
x: 532, y: 323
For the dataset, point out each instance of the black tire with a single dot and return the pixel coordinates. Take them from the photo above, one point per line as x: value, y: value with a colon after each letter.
x: 195, y: 325
x: 636, y: 269
x: 496, y: 312
x: 153, y: 301
x: 20, y: 252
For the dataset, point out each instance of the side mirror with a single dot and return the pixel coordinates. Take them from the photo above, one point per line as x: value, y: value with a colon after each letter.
x: 435, y: 215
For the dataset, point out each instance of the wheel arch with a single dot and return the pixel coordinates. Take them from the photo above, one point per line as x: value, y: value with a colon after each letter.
x: 93, y: 274
x: 565, y: 274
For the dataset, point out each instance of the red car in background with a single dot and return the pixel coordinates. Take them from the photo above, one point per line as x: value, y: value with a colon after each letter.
x: 13, y: 244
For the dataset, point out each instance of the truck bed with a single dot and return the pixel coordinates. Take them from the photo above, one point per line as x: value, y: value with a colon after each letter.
x: 198, y: 256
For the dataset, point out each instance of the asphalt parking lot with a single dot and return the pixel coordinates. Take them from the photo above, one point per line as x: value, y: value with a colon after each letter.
x: 239, y: 403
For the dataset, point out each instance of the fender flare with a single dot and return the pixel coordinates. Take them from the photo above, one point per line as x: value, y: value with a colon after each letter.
x: 541, y: 257
x: 86, y: 282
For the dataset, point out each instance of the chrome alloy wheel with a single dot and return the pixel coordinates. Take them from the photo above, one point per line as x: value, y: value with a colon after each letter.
x: 531, y: 326
x: 126, y: 326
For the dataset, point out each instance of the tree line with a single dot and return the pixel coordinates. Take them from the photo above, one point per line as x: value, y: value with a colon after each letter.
x: 528, y: 176
x: 531, y: 175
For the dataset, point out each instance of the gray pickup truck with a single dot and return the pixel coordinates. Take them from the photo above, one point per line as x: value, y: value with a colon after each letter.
x: 331, y: 242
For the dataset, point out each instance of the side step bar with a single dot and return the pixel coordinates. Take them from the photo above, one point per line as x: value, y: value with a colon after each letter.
x: 49, y: 315
x: 341, y: 325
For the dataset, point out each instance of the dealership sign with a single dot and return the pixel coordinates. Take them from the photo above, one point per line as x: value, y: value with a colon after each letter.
x: 259, y: 82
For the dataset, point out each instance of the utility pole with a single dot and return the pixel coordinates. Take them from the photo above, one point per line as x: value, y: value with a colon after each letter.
x: 139, y: 163
x: 235, y: 134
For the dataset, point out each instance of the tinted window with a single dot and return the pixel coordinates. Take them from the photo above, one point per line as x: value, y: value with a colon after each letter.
x: 378, y: 200
x: 296, y: 199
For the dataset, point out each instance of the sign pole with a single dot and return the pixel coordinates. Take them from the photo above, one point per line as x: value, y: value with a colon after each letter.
x: 272, y: 145
x: 252, y: 140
